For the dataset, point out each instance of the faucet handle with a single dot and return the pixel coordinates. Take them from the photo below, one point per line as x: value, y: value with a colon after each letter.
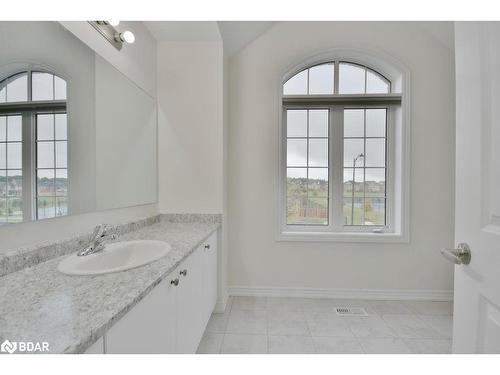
x: 102, y: 233
x: 98, y: 230
x: 107, y: 229
x: 101, y: 230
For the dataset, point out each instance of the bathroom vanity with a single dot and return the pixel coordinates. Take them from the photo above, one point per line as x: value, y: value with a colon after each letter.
x: 78, y: 142
x: 173, y: 316
x: 161, y: 307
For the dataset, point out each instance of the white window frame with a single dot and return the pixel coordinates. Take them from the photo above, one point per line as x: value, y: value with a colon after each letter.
x: 28, y: 110
x: 397, y: 157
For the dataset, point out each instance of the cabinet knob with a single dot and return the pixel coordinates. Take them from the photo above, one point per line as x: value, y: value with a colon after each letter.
x: 207, y: 247
x: 175, y: 282
x: 183, y: 272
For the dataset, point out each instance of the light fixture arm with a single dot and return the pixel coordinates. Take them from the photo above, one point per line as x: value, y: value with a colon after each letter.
x: 112, y: 35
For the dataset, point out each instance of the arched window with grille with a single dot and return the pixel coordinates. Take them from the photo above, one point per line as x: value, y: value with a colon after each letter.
x: 339, y: 137
x: 33, y: 146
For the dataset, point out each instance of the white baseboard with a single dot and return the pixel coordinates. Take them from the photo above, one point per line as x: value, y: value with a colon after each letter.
x: 220, y: 305
x: 376, y: 294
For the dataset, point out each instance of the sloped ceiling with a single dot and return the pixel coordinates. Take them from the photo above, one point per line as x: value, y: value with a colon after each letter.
x: 238, y: 34
x: 184, y: 31
x: 442, y: 31
x: 234, y: 34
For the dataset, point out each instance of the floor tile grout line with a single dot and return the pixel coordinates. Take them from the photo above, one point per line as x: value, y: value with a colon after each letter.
x: 267, y: 328
x: 360, y: 345
x: 230, y: 300
x: 350, y: 329
x: 307, y: 325
x: 314, y: 346
x: 304, y: 311
x: 392, y: 330
x: 438, y: 335
x: 222, y: 342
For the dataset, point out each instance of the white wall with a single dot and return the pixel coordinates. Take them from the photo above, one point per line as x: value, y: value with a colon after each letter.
x: 224, y: 233
x: 256, y: 259
x: 137, y: 61
x: 190, y: 127
x: 192, y: 139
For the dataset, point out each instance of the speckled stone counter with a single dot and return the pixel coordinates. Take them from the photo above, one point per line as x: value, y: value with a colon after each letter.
x: 71, y: 312
x: 19, y: 258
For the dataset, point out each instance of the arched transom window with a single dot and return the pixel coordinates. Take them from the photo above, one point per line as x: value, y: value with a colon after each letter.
x: 338, y: 131
x: 33, y: 147
x: 352, y: 79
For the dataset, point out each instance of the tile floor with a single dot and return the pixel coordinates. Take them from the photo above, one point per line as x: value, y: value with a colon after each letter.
x: 302, y: 325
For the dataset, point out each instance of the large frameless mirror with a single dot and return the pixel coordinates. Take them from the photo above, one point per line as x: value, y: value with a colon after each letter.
x: 76, y: 135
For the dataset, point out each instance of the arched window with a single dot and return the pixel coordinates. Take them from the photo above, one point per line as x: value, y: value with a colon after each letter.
x: 339, y: 121
x: 33, y: 147
x: 352, y: 79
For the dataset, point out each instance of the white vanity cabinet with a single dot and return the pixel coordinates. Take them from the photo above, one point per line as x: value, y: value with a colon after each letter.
x: 189, y: 305
x: 148, y: 327
x: 173, y: 316
x: 210, y: 278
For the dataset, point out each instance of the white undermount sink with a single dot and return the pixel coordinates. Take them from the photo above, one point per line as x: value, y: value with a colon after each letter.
x: 117, y: 256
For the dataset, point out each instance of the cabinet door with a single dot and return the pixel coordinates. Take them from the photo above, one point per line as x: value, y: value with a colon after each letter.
x: 189, y: 301
x: 149, y: 327
x: 210, y: 275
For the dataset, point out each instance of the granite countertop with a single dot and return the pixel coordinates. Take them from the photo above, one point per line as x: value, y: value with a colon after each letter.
x: 71, y: 312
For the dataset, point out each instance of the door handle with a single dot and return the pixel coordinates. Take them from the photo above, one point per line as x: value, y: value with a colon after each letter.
x: 461, y: 255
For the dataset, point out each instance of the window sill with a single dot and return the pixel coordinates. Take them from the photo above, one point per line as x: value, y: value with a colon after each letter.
x: 358, y: 237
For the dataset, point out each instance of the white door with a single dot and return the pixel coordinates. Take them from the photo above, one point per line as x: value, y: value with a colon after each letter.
x: 476, y: 327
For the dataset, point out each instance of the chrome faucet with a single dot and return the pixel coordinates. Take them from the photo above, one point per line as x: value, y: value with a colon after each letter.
x: 97, y: 242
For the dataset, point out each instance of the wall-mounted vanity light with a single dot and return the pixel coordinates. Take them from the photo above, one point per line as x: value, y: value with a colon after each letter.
x: 127, y: 37
x: 108, y: 31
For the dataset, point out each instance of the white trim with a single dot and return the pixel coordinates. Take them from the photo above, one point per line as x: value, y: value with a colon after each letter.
x: 346, y: 99
x: 358, y: 237
x: 390, y: 67
x: 400, y: 78
x: 374, y: 294
x: 29, y: 142
x: 220, y: 305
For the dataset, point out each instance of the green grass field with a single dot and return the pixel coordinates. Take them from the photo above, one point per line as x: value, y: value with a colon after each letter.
x: 47, y: 207
x: 314, y: 211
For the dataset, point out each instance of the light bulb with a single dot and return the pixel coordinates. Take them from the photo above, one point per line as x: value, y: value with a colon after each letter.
x: 128, y: 37
x: 114, y: 23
